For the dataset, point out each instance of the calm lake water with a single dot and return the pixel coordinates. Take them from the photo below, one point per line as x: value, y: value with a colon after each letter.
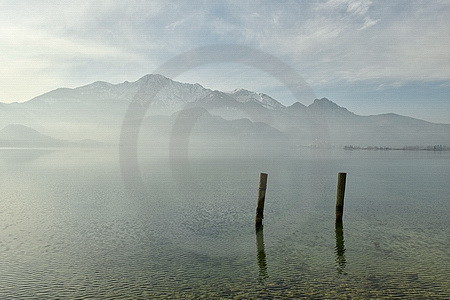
x: 69, y: 228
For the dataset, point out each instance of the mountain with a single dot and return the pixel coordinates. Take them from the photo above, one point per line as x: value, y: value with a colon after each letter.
x: 324, y: 105
x: 16, y: 135
x: 198, y: 127
x: 96, y: 111
x: 21, y: 136
x: 264, y: 100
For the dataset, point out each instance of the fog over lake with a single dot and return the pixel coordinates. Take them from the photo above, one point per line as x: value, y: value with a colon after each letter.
x: 71, y: 229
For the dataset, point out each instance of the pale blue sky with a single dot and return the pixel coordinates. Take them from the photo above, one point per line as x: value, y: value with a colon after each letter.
x: 369, y: 56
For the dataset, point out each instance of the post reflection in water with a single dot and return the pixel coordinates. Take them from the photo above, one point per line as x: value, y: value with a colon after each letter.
x: 340, y: 248
x: 261, y: 255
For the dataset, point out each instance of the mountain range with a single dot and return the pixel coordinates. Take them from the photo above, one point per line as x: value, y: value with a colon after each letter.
x: 96, y: 111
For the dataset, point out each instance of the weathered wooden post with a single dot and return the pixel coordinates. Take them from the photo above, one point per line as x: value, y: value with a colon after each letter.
x: 340, y: 196
x: 261, y: 199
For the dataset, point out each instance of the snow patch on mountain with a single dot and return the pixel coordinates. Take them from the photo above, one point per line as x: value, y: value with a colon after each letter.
x: 266, y: 101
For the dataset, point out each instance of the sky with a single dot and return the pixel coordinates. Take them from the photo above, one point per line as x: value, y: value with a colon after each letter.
x: 371, y: 57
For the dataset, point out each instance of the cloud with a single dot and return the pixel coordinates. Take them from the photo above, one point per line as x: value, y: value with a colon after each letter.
x: 359, y: 7
x: 329, y: 42
x: 368, y: 22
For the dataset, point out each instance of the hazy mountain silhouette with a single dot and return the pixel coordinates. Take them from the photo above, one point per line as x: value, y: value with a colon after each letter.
x: 202, y: 129
x: 20, y: 136
x: 96, y: 111
x: 16, y: 135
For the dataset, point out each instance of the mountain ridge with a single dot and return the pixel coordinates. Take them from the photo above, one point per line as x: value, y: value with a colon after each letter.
x: 96, y: 111
x: 18, y: 135
x: 21, y: 136
x: 152, y: 78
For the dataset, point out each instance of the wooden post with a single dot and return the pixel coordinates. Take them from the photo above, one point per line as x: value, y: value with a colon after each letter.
x: 261, y: 199
x: 340, y: 196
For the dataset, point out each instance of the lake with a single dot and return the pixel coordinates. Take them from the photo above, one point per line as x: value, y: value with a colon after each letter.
x: 70, y: 229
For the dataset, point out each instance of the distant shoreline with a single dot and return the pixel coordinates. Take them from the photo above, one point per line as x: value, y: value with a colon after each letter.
x: 406, y: 148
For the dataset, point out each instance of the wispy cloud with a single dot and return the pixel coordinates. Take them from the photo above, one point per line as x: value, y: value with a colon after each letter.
x: 332, y: 41
x: 368, y: 22
x: 359, y: 7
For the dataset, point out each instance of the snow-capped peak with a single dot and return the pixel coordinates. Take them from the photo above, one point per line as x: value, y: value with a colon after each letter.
x: 243, y: 95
